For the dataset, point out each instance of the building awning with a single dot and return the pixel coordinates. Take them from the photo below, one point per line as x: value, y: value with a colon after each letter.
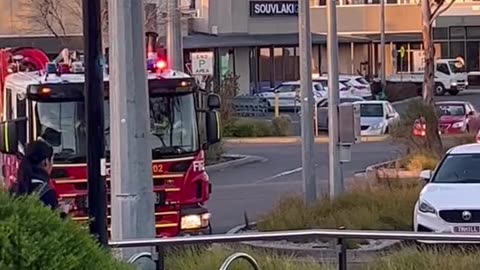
x: 202, y: 41
x: 397, y: 37
x: 50, y: 45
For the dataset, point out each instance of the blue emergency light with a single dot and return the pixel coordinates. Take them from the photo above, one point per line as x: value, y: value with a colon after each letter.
x: 51, y: 68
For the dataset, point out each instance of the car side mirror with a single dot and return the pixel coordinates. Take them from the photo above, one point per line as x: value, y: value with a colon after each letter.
x: 471, y: 113
x: 213, y: 102
x: 213, y: 127
x: 426, y: 175
x: 9, y: 137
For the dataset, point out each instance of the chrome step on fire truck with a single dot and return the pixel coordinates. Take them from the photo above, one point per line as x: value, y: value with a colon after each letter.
x: 46, y: 99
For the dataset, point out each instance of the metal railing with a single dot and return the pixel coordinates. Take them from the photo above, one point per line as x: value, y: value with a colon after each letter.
x: 339, y: 235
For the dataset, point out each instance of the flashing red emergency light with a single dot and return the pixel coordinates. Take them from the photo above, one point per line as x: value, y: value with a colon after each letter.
x: 161, y: 64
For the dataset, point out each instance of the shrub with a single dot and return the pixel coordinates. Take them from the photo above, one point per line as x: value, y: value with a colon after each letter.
x: 402, y: 132
x: 251, y: 127
x: 424, y: 259
x: 381, y: 206
x: 282, y: 125
x: 191, y: 259
x: 420, y: 161
x: 34, y: 237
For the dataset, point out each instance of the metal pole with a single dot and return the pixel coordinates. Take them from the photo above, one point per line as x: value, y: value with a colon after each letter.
x: 131, y: 161
x: 174, y: 35
x: 335, y: 179
x: 308, y: 142
x: 94, y: 96
x: 382, y: 42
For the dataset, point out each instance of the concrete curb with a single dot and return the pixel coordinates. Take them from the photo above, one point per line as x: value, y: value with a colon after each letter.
x: 323, y: 255
x: 240, y: 160
x: 292, y: 140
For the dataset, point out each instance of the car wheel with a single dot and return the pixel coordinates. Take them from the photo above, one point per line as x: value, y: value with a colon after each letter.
x: 453, y: 92
x: 439, y: 89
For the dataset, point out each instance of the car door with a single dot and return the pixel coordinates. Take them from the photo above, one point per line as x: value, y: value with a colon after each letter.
x: 473, y: 117
x: 287, y: 95
x: 322, y: 114
x: 390, y: 111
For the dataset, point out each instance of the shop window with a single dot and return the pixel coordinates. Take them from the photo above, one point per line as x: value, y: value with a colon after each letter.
x: 473, y: 56
x: 265, y: 68
x: 473, y: 32
x: 292, y: 64
x: 402, y: 63
x: 279, y: 65
x: 457, y: 49
x: 442, y: 49
x: 440, y: 33
x: 457, y: 32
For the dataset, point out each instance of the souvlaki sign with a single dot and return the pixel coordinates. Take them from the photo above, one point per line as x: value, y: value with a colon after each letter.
x: 273, y: 8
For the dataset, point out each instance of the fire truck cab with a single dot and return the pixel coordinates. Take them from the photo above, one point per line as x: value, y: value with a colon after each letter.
x: 49, y: 103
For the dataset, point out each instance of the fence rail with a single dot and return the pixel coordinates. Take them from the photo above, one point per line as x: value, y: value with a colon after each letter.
x: 339, y: 235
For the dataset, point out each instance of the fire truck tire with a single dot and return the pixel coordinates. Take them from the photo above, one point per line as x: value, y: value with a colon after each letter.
x: 439, y: 89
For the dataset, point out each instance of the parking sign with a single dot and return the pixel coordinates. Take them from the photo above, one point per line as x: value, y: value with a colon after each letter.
x: 202, y: 63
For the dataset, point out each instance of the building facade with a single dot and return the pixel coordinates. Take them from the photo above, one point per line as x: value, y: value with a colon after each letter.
x: 258, y: 39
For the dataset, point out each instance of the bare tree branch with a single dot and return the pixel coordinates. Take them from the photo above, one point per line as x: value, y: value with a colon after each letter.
x: 439, y: 10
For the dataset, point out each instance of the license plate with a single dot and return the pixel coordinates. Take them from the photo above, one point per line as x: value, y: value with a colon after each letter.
x: 466, y: 229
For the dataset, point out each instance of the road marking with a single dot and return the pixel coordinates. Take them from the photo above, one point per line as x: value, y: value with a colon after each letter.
x: 279, y: 175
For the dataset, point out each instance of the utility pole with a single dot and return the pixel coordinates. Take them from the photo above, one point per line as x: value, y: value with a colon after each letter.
x: 174, y: 35
x: 131, y: 161
x: 382, y: 42
x: 334, y: 166
x: 94, y: 97
x: 307, y: 102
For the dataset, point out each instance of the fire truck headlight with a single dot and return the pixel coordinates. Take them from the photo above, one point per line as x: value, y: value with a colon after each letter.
x: 191, y: 222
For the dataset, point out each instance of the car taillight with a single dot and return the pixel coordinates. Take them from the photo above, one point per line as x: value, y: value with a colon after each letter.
x: 361, y: 87
x: 344, y: 89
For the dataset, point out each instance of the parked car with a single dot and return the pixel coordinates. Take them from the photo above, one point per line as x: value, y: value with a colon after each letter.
x: 342, y: 86
x: 322, y: 110
x: 376, y: 117
x: 288, y: 92
x: 457, y: 117
x: 449, y: 201
x: 361, y: 87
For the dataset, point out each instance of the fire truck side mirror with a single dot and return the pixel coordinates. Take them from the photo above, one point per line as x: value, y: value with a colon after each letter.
x: 213, y: 101
x: 213, y: 126
x: 9, y: 137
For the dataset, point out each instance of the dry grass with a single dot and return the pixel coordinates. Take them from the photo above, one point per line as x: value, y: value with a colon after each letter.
x: 211, y: 259
x: 429, y: 259
x: 386, y: 205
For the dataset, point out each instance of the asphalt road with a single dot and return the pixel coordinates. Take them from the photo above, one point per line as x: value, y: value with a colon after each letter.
x: 255, y: 188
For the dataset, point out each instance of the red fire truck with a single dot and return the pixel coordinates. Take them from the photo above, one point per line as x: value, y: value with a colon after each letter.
x: 45, y: 99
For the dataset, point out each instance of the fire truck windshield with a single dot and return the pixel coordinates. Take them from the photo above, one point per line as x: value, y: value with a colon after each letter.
x: 173, y: 126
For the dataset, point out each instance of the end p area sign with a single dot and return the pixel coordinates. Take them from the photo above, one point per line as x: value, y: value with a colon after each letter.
x: 202, y: 63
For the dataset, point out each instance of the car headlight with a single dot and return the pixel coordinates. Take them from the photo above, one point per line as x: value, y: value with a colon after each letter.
x: 378, y: 125
x: 192, y: 222
x: 454, y: 83
x: 426, y: 208
x: 458, y: 125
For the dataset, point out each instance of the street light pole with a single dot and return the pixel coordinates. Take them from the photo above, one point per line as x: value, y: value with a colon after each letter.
x: 334, y: 166
x: 174, y: 35
x: 131, y: 160
x: 307, y: 102
x: 94, y: 96
x: 382, y: 42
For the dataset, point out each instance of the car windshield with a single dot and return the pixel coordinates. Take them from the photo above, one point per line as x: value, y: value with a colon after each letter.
x: 456, y: 66
x: 450, y: 109
x: 362, y: 80
x: 371, y: 110
x: 172, y: 123
x: 286, y: 88
x: 459, y: 168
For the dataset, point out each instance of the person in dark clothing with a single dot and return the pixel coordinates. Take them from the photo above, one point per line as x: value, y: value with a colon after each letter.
x: 33, y: 174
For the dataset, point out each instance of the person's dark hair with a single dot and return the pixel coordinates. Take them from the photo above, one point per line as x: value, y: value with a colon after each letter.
x: 35, y: 153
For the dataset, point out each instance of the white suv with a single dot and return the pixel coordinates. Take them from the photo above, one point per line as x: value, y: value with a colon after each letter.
x: 449, y: 202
